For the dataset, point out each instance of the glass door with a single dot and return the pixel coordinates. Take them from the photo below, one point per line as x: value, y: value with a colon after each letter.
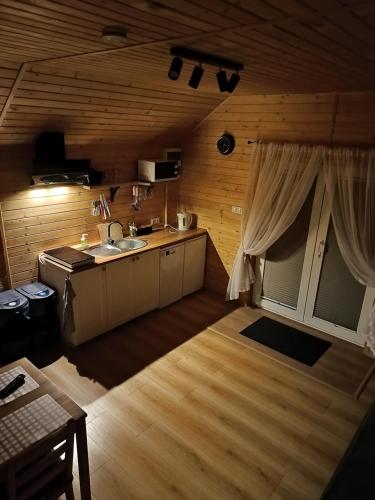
x: 303, y: 276
x: 336, y: 302
x: 282, y: 273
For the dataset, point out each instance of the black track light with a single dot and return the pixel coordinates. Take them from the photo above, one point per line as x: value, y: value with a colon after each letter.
x: 196, y: 77
x: 222, y: 80
x: 181, y: 53
x: 232, y: 83
x: 175, y: 68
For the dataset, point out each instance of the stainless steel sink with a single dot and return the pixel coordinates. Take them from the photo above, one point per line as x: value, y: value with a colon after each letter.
x: 128, y: 244
x: 118, y: 247
x: 103, y: 251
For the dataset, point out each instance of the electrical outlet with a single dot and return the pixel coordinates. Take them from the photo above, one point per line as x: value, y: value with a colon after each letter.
x: 237, y: 210
x: 155, y: 220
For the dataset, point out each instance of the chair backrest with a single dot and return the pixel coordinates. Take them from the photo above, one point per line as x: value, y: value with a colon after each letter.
x: 47, y: 465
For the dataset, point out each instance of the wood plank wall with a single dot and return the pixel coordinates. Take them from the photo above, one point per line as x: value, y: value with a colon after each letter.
x: 38, y: 218
x: 112, y: 120
x: 211, y: 183
x: 92, y: 108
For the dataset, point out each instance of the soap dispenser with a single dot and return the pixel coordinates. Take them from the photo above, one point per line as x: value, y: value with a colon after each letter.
x: 84, y: 242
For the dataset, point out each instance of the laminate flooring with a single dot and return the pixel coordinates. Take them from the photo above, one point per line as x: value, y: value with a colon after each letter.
x: 177, y: 410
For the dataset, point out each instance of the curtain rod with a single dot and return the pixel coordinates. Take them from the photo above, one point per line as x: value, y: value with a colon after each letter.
x: 363, y: 148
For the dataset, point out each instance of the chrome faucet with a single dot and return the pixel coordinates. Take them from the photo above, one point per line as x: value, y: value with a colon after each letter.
x: 110, y: 241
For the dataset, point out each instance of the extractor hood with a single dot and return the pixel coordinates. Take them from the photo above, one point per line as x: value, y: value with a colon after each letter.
x: 50, y: 165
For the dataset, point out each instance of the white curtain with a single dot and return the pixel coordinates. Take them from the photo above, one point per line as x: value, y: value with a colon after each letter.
x: 350, y: 180
x: 285, y: 173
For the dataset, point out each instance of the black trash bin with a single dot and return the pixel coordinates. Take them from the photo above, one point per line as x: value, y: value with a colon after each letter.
x: 44, y: 322
x: 15, y: 333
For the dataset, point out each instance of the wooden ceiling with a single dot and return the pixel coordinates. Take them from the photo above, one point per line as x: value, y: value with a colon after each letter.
x: 56, y: 71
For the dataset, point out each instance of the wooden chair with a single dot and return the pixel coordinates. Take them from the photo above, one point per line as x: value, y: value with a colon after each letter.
x: 41, y: 472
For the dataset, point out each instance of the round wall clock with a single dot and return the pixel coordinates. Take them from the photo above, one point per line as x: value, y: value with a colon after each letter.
x: 226, y: 144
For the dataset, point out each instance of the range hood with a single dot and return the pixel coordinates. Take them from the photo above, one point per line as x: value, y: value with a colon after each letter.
x: 50, y: 165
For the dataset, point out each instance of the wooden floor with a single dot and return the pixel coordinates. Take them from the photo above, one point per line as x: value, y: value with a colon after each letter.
x: 343, y: 365
x: 209, y: 419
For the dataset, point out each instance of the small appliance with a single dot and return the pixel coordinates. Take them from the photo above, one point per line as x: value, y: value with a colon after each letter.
x: 184, y: 221
x: 158, y: 170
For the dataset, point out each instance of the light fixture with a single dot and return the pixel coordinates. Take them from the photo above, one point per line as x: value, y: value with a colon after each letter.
x: 222, y: 80
x: 175, y: 68
x: 196, y: 77
x: 180, y: 53
x: 114, y: 34
x: 232, y: 83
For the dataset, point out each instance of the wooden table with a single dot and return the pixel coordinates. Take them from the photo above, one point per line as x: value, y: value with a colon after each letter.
x: 78, y: 416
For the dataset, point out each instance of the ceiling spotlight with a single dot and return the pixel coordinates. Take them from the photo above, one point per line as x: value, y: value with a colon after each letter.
x: 175, y: 69
x: 116, y: 34
x: 232, y: 83
x: 222, y: 80
x: 196, y: 77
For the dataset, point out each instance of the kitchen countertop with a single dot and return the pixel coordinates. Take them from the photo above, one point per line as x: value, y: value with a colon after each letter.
x: 157, y: 239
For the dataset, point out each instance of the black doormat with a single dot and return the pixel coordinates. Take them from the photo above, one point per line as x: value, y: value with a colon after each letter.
x: 287, y: 340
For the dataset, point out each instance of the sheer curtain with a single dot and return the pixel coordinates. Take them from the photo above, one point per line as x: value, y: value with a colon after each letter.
x: 286, y: 173
x: 350, y: 180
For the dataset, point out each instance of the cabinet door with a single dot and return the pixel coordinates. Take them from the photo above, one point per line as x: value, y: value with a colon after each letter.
x: 194, y: 263
x: 146, y: 281
x: 89, y: 305
x: 120, y: 292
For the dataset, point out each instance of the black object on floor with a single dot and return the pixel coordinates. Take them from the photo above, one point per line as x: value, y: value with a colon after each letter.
x: 355, y: 474
x: 293, y: 343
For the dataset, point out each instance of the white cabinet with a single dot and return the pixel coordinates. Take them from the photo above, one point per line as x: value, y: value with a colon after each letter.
x: 89, y: 304
x: 171, y: 274
x: 146, y: 282
x: 194, y: 264
x: 106, y: 296
x: 132, y: 287
x: 120, y: 299
x: 88, y: 300
x: 109, y: 295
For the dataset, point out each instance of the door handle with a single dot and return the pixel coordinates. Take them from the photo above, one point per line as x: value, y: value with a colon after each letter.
x: 321, y: 248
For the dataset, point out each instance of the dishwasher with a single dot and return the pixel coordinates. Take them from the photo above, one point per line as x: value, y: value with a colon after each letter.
x: 171, y: 274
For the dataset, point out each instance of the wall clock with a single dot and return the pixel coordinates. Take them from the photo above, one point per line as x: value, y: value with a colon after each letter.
x: 226, y: 144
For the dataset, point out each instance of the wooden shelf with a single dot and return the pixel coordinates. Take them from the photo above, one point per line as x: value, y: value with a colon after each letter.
x: 102, y: 187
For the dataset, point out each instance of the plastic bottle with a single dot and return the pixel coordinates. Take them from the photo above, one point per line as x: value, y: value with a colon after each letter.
x: 84, y: 242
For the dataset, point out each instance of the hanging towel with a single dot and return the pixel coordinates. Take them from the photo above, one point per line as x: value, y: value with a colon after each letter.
x: 68, y: 315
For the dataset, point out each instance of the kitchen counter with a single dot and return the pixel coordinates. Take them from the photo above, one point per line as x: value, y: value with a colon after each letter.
x: 119, y: 288
x: 157, y: 239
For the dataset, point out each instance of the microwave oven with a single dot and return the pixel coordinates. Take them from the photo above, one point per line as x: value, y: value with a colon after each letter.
x: 158, y: 170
